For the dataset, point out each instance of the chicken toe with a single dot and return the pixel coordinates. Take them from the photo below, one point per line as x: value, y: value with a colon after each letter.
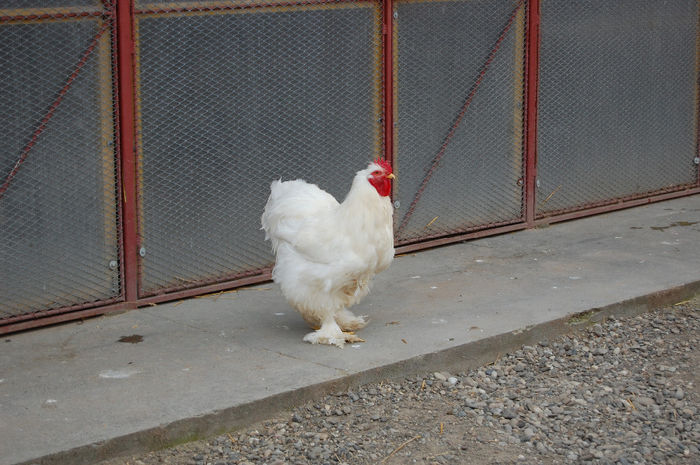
x: 351, y: 337
x: 329, y: 333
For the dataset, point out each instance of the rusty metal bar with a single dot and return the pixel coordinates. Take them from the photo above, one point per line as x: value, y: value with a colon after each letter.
x: 532, y: 79
x: 179, y: 293
x: 617, y: 205
x: 64, y: 317
x: 239, y: 6
x: 51, y: 16
x: 127, y: 146
x: 388, y: 43
x: 54, y: 312
x: 697, y: 98
x: 487, y: 230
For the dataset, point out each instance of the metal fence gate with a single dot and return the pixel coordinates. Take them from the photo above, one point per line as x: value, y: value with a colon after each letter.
x: 459, y: 94
x: 59, y: 217
x: 229, y: 99
x: 140, y: 136
x: 618, y: 101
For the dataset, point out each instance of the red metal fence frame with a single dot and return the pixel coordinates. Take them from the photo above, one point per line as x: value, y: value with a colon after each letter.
x: 124, y: 12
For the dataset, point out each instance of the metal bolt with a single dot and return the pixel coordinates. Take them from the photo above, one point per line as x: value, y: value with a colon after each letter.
x: 397, y: 204
x: 521, y: 182
x: 396, y: 14
x: 537, y: 182
x: 696, y: 160
x: 113, y: 264
x: 142, y: 251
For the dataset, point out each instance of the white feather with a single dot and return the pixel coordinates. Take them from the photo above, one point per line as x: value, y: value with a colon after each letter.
x: 327, y: 252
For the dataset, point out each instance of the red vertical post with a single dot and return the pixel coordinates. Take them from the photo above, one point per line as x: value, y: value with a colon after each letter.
x: 388, y: 38
x: 127, y: 137
x: 532, y: 77
x: 697, y: 99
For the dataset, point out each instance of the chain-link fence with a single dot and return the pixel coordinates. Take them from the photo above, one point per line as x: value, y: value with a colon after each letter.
x: 232, y: 97
x: 617, y: 101
x: 459, y: 80
x: 228, y: 95
x: 58, y: 203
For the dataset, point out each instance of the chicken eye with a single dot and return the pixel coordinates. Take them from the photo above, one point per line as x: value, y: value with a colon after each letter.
x: 376, y: 173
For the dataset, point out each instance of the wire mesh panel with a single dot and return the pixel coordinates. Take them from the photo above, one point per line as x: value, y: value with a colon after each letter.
x: 460, y: 115
x: 617, y: 100
x: 59, y: 239
x: 231, y: 98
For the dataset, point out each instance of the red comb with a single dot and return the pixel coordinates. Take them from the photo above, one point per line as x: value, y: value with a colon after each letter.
x: 384, y: 165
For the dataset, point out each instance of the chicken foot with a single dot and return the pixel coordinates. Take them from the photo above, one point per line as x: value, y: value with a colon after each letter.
x: 330, y: 333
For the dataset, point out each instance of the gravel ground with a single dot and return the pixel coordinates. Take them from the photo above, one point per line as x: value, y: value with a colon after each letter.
x: 622, y: 391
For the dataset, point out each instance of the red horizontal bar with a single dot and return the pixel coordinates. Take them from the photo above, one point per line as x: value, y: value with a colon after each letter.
x: 64, y: 317
x: 642, y: 197
x: 205, y: 283
x: 265, y: 276
x: 459, y: 231
x: 402, y: 249
x: 43, y: 314
x: 43, y: 16
x: 77, y: 312
x: 244, y: 6
x: 613, y: 206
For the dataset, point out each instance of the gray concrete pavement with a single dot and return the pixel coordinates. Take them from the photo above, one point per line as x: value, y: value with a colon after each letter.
x: 74, y: 394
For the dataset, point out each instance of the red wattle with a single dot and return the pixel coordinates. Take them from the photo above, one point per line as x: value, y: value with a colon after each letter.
x: 382, y: 185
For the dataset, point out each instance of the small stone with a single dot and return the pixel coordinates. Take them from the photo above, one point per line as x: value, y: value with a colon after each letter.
x: 509, y: 414
x: 528, y: 433
x: 599, y: 351
x: 452, y: 380
x: 440, y: 376
x: 659, y: 397
x: 645, y: 401
x: 679, y: 394
x: 314, y: 453
x: 474, y: 404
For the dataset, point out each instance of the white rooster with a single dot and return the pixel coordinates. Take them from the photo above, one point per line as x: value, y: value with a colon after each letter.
x: 327, y: 252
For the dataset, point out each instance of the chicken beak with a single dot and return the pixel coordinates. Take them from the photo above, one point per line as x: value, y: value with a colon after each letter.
x: 391, y: 176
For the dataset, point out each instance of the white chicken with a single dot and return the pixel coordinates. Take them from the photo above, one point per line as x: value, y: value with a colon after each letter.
x: 327, y: 252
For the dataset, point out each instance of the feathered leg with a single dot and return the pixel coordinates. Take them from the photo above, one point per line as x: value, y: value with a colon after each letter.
x: 330, y: 333
x: 348, y: 321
